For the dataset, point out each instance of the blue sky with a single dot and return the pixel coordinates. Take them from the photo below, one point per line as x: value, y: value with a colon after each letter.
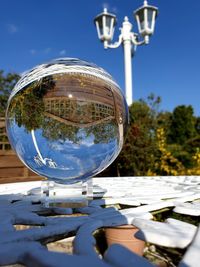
x: 35, y: 31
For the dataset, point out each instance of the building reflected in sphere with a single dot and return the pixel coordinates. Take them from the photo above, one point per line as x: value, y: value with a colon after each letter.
x: 66, y: 120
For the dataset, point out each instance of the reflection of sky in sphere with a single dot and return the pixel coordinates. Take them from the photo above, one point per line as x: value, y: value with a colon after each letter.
x: 72, y: 159
x: 67, y: 125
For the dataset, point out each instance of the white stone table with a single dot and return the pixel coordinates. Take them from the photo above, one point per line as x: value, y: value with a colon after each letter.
x: 142, y: 197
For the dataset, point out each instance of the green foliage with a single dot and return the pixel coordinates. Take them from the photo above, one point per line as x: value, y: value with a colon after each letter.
x: 164, y: 121
x: 182, y: 135
x: 178, y: 151
x: 197, y: 125
x: 7, y: 83
x: 182, y: 125
x: 159, y: 143
x: 139, y: 150
x: 28, y: 103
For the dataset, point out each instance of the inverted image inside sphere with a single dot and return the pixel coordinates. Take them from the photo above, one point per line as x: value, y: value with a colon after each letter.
x: 66, y: 125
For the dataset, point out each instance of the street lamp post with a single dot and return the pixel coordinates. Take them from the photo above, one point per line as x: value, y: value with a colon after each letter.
x: 105, y: 24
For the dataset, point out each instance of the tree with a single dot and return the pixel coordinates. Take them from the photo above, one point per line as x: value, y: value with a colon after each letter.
x: 7, y: 83
x: 197, y: 125
x: 182, y: 135
x: 164, y: 119
x: 139, y: 151
x: 28, y: 103
x: 168, y: 164
x: 182, y: 125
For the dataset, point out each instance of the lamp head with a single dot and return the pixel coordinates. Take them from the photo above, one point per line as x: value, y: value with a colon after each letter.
x: 105, y: 23
x: 145, y: 17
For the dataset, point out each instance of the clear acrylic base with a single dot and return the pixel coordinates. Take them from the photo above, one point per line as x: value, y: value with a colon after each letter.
x: 66, y: 196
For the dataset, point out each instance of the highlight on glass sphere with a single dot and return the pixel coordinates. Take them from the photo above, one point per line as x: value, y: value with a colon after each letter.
x: 66, y: 120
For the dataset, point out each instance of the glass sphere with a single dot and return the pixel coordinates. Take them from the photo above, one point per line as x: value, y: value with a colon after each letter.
x: 66, y: 120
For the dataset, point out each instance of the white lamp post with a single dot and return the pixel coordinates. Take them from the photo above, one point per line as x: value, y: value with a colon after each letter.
x: 105, y: 24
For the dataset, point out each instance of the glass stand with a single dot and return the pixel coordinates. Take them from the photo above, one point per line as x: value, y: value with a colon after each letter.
x: 66, y: 196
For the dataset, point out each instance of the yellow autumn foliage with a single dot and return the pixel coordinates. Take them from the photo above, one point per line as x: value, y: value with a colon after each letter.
x: 167, y: 164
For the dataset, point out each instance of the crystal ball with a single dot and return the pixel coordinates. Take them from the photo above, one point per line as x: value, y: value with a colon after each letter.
x: 66, y: 120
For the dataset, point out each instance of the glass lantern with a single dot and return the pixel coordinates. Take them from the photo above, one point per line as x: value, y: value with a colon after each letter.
x: 145, y: 17
x: 105, y: 24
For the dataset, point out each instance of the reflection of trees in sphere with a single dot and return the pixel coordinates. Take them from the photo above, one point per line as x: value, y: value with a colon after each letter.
x: 66, y: 120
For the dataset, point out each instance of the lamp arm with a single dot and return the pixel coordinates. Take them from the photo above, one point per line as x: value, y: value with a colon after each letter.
x: 115, y: 45
x: 136, y: 42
